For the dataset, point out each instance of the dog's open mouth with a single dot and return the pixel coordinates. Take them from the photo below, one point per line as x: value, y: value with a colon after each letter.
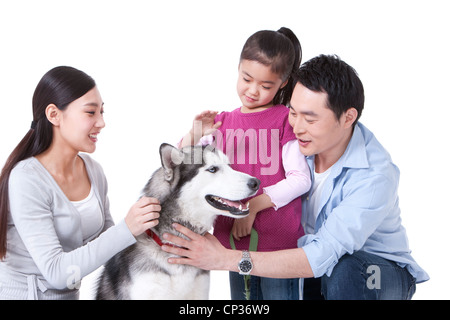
x: 234, y: 207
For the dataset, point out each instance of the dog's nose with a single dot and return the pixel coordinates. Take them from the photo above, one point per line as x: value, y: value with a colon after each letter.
x: 253, y: 184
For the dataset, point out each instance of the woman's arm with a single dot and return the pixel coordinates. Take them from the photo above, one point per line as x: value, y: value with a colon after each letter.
x: 32, y: 212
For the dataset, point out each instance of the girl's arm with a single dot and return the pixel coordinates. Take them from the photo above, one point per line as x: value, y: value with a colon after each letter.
x: 297, y: 181
x: 243, y: 227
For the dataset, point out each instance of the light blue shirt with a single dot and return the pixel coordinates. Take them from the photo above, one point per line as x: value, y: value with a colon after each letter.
x: 359, y: 209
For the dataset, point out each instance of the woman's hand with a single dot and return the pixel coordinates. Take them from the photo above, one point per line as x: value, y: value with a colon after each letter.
x: 204, y: 252
x: 143, y: 215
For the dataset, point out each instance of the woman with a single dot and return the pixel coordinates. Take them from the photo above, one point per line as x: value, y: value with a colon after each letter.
x: 55, y: 224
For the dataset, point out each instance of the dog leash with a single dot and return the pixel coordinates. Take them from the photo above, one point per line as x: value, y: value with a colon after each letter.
x: 252, y: 247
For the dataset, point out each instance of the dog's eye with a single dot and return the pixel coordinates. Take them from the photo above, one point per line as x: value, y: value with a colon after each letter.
x: 213, y: 169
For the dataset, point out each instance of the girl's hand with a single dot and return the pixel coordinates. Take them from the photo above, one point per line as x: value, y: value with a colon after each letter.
x: 203, y: 125
x: 143, y: 215
x: 206, y: 122
x: 243, y: 227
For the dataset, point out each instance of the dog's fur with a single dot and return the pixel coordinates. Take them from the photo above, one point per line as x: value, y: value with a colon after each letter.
x: 188, y: 186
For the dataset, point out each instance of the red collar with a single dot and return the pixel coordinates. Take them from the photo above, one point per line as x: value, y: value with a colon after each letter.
x: 155, y: 238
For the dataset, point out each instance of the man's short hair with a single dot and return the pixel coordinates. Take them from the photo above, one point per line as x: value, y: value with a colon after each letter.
x: 331, y: 75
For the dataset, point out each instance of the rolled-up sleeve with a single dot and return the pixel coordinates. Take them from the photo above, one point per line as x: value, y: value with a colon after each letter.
x: 365, y: 204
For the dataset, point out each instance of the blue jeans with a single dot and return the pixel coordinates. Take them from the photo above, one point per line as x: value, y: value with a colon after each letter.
x: 365, y: 276
x: 264, y: 288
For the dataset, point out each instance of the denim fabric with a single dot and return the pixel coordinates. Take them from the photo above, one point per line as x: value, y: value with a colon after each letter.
x: 264, y: 288
x: 363, y: 276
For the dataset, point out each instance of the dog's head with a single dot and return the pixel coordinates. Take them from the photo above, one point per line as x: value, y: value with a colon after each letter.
x: 202, y: 181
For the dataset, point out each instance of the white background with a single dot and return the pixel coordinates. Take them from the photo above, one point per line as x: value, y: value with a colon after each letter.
x: 158, y: 63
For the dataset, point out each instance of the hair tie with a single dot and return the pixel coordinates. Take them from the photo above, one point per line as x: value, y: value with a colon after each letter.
x: 33, y: 124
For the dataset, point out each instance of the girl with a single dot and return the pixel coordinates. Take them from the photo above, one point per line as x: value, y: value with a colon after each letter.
x: 246, y: 135
x: 55, y: 224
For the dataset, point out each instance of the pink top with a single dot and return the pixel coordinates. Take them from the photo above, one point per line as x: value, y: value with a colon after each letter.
x: 263, y: 145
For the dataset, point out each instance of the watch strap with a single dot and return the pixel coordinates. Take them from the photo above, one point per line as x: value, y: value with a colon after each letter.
x: 246, y: 255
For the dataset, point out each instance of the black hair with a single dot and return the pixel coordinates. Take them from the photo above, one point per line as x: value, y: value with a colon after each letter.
x: 281, y: 50
x: 331, y: 75
x: 59, y: 86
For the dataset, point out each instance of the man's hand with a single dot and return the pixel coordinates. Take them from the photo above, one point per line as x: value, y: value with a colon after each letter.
x: 203, y: 252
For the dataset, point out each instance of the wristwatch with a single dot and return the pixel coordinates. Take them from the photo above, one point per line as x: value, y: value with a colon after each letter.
x: 245, y: 266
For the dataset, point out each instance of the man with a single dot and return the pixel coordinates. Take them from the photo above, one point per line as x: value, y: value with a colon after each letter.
x: 355, y: 243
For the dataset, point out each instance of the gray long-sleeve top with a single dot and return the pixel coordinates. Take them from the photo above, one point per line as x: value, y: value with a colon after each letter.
x: 46, y: 253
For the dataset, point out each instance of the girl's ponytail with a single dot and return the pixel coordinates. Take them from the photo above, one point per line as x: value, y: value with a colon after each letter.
x: 297, y: 46
x: 284, y: 94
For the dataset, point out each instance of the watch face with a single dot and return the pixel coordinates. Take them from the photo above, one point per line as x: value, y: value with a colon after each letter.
x: 245, y: 266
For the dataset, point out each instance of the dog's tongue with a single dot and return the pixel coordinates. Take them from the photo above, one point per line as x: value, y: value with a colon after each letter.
x: 235, y: 204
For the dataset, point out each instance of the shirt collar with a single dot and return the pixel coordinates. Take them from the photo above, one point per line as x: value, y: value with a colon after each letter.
x: 355, y: 155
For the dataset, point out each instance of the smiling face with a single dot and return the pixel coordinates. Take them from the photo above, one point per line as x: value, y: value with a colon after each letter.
x: 76, y: 128
x: 316, y: 127
x: 257, y: 86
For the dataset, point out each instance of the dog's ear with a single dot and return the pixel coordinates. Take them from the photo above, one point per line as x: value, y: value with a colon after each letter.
x: 170, y: 158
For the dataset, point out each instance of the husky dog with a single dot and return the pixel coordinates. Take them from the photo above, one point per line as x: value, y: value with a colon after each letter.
x: 194, y: 186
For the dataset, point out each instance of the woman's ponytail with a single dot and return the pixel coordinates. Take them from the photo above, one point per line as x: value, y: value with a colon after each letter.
x: 22, y: 151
